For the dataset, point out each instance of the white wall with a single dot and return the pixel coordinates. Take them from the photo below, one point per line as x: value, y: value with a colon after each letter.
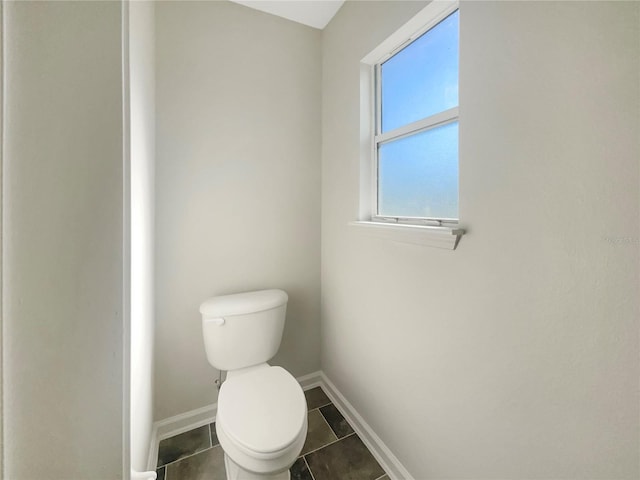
x: 514, y: 356
x: 63, y: 231
x: 237, y: 183
x: 142, y: 118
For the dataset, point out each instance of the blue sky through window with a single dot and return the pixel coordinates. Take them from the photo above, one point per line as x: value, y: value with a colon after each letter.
x: 421, y: 79
x: 418, y: 174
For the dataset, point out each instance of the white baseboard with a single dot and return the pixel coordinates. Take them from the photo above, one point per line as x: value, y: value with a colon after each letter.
x: 186, y: 421
x: 202, y: 416
x: 312, y: 380
x: 387, y: 460
x: 179, y: 424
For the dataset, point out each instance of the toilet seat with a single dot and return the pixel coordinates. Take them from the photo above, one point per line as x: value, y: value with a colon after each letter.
x: 263, y: 411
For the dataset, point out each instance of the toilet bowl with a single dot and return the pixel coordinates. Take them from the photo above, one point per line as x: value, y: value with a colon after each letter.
x: 261, y: 423
x: 261, y: 420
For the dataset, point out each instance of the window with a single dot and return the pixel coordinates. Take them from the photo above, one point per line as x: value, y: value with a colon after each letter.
x: 415, y: 124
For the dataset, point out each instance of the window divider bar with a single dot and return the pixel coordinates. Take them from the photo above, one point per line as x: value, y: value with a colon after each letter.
x: 423, y: 124
x: 377, y: 78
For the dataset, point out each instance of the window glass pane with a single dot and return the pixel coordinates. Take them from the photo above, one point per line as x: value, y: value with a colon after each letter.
x: 418, y: 174
x: 422, y: 79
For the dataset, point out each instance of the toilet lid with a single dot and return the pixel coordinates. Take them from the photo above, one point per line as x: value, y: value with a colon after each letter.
x: 263, y: 411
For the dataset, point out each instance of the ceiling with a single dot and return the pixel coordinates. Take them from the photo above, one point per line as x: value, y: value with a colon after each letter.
x: 314, y: 13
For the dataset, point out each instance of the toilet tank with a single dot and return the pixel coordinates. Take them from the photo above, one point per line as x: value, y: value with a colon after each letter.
x: 243, y: 329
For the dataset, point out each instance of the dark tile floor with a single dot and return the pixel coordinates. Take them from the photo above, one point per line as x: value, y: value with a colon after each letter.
x: 332, y: 451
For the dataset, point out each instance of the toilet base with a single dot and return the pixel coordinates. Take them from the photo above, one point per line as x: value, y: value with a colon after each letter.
x: 236, y: 472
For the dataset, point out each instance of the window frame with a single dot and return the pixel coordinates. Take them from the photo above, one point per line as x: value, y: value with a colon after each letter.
x: 377, y: 138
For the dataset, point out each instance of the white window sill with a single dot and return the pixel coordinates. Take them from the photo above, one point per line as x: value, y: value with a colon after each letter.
x: 438, y: 237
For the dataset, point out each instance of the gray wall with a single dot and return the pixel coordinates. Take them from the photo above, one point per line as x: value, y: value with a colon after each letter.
x: 142, y: 114
x: 63, y: 231
x: 237, y: 183
x: 514, y: 356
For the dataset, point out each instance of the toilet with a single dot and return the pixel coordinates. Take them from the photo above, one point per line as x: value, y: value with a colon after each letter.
x: 261, y: 421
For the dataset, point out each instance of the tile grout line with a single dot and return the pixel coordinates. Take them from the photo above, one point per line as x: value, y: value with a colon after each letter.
x: 353, y: 432
x: 318, y: 408
x: 331, y: 427
x: 182, y: 458
x: 322, y: 406
x: 309, y: 468
x: 331, y: 443
x: 211, y: 445
x: 328, y: 425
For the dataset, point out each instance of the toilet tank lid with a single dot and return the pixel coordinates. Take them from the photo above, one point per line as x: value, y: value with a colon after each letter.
x: 242, y: 303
